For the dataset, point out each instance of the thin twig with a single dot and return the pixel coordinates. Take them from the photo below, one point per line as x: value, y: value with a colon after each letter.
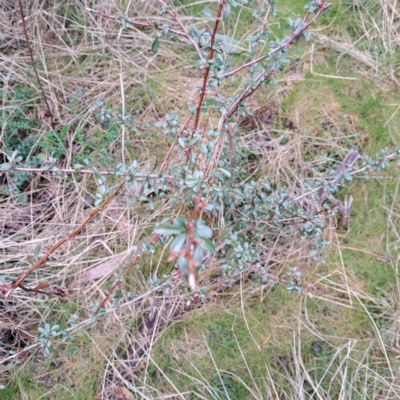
x: 219, y: 145
x: 71, y: 235
x: 370, y: 253
x: 83, y: 323
x: 265, y: 20
x: 164, y: 165
x: 207, y: 68
x: 187, y: 36
x: 249, y: 90
x: 287, y: 44
x: 154, y: 237
x: 138, y: 177
x: 28, y: 43
x: 355, y: 172
x: 136, y: 23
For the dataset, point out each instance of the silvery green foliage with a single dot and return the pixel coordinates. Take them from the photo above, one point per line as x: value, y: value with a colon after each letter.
x: 254, y: 213
x: 106, y: 115
x: 47, y: 334
x: 233, y: 219
x: 382, y: 160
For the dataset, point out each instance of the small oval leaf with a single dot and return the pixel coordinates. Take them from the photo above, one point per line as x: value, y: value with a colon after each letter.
x: 177, y: 244
x: 168, y: 230
x: 208, y: 245
x: 202, y: 230
x: 155, y: 46
x: 36, y: 252
x: 225, y: 172
x: 207, y: 12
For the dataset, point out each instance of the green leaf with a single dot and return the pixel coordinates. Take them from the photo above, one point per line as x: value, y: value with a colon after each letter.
x: 177, y: 244
x: 306, y: 35
x: 41, y: 157
x: 183, y: 266
x: 168, y: 230
x: 225, y: 172
x: 179, y: 222
x: 155, y: 46
x: 198, y: 254
x: 207, y: 12
x: 181, y: 142
x: 210, y: 102
x: 226, y: 13
x: 197, y: 186
x: 36, y: 252
x: 14, y: 154
x: 208, y: 245
x: 229, y: 44
x: 5, y: 167
x: 63, y: 131
x: 204, y: 150
x: 202, y: 230
x: 191, y: 182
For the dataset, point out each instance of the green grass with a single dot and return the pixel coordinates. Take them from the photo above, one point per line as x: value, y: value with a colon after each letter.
x: 244, y: 344
x: 49, y: 381
x: 349, y: 114
x: 221, y: 341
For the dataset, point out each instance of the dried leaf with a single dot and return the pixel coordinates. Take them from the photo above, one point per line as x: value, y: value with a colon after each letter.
x: 41, y: 286
x: 101, y: 270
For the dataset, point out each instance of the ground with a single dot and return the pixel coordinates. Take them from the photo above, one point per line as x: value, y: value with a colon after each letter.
x: 339, y: 91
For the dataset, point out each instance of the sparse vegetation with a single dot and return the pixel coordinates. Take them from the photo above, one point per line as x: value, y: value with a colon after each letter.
x: 188, y: 222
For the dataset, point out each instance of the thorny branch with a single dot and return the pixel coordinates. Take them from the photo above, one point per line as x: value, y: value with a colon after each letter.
x: 187, y: 36
x: 286, y: 45
x: 138, y: 177
x: 72, y: 234
x: 135, y: 260
x: 207, y: 67
x: 135, y: 23
x: 217, y: 151
x: 164, y: 165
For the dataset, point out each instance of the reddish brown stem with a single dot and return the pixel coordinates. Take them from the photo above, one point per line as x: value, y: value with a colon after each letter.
x: 192, y: 264
x: 249, y: 90
x: 188, y: 37
x: 207, y: 67
x: 264, y: 23
x: 72, y: 234
x: 164, y: 165
x: 127, y: 269
x: 287, y: 44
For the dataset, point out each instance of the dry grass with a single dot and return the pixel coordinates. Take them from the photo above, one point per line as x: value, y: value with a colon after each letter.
x: 83, y: 58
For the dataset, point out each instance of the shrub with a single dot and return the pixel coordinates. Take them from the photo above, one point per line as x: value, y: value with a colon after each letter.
x: 222, y: 209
